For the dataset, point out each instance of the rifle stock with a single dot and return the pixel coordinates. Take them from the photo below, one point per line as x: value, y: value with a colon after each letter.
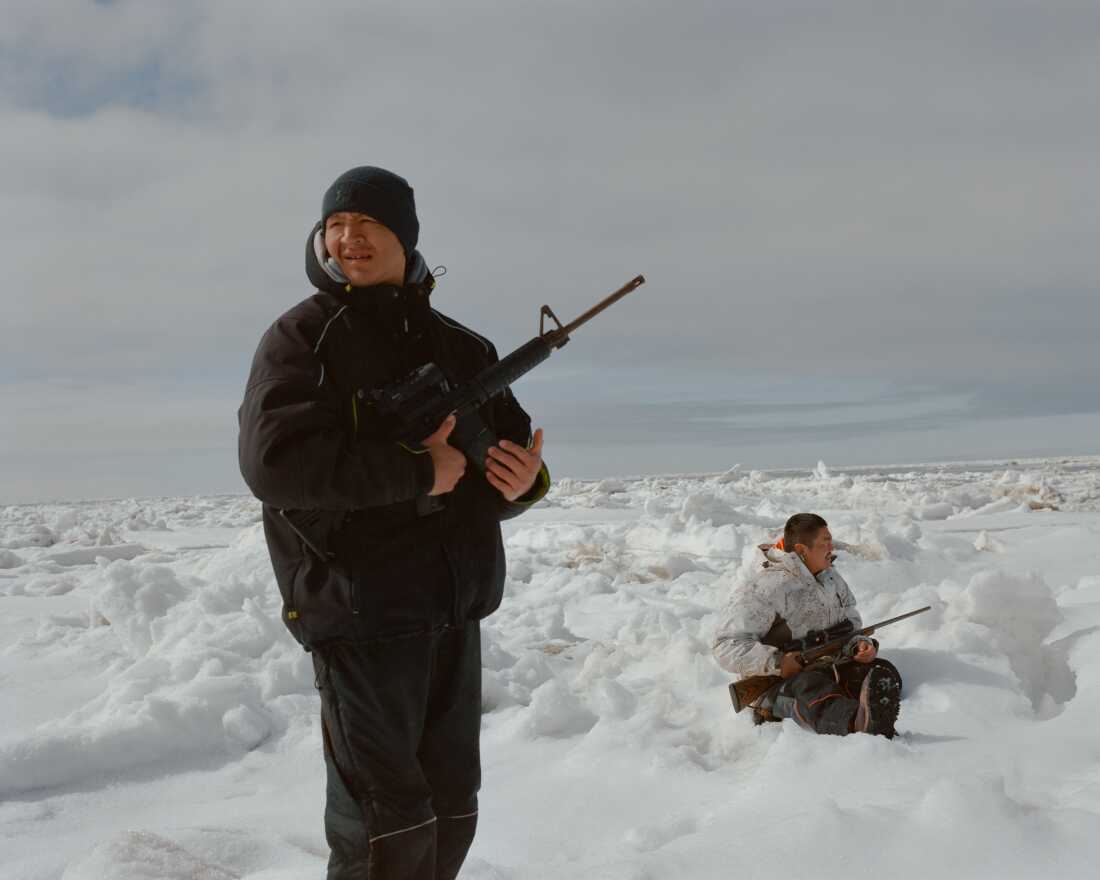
x: 748, y: 690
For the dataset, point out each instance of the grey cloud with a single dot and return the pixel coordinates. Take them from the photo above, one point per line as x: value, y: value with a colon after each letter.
x: 855, y: 190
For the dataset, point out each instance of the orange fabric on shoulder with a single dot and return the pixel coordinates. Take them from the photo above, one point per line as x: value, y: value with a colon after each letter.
x: 779, y: 545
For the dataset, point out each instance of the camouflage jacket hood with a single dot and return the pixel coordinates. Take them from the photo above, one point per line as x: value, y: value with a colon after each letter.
x: 777, y: 601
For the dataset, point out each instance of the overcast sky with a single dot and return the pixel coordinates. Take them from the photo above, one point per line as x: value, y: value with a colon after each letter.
x: 870, y: 230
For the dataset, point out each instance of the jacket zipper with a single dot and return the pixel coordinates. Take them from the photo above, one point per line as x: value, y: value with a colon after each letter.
x: 353, y: 597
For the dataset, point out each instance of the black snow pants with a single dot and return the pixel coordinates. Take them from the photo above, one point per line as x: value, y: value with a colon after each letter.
x: 823, y: 697
x: 401, y: 723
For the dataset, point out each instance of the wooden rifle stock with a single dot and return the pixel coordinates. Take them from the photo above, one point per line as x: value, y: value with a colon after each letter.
x: 748, y: 690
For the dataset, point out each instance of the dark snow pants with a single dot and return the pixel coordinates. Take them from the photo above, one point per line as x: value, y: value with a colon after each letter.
x: 401, y: 723
x: 824, y: 697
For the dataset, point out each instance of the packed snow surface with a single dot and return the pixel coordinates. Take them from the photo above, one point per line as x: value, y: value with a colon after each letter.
x: 160, y: 723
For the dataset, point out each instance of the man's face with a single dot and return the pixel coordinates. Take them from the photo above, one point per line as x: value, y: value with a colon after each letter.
x: 366, y: 251
x: 818, y: 556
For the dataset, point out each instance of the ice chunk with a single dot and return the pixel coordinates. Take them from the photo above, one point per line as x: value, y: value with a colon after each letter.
x: 734, y: 473
x: 9, y: 559
x: 556, y: 711
x: 985, y: 543
x: 612, y: 700
x: 134, y: 596
x: 246, y: 726
x: 88, y: 555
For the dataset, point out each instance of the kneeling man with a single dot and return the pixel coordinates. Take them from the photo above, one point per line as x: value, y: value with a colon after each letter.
x: 793, y: 592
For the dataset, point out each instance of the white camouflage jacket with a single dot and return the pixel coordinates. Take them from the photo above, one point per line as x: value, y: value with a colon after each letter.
x: 780, y: 591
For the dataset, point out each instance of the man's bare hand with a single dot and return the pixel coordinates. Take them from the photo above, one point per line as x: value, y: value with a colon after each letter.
x: 511, y: 469
x: 865, y: 652
x: 450, y: 464
x: 790, y: 664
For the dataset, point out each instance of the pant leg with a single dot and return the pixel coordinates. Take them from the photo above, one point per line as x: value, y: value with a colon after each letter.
x: 450, y: 753
x: 379, y: 818
x: 345, y: 826
x: 816, y: 700
x: 824, y: 698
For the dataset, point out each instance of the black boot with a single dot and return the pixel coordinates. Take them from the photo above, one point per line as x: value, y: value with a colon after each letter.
x: 879, y: 700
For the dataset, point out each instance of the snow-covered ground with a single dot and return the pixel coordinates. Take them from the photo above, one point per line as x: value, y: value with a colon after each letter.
x: 158, y: 722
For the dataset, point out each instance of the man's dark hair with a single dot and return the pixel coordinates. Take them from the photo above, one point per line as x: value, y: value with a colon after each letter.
x: 802, y: 528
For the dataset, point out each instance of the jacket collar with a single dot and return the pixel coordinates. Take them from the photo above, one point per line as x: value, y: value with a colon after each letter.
x: 773, y: 558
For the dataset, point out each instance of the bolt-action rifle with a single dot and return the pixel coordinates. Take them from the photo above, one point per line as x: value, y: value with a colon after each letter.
x: 412, y: 408
x: 813, y: 647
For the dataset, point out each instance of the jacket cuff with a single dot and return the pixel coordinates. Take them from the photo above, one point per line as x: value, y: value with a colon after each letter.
x: 538, y: 490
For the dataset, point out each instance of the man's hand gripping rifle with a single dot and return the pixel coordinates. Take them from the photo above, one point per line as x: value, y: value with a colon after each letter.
x: 411, y: 409
x: 813, y: 647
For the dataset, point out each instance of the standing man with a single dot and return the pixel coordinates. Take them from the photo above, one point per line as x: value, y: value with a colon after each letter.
x: 387, y: 556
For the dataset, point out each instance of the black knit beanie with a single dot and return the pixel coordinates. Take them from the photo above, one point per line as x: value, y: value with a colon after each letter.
x: 381, y: 194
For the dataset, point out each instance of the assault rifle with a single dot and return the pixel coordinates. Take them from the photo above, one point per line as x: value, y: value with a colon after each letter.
x: 815, y: 645
x: 412, y: 408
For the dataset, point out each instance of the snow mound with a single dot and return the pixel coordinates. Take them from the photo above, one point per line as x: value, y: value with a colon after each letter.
x: 204, y: 667
x: 898, y: 539
x: 985, y: 543
x: 9, y: 559
x: 1019, y: 613
x: 86, y: 556
x: 29, y: 535
x: 709, y: 507
x: 555, y: 711
x: 180, y: 698
x: 135, y: 597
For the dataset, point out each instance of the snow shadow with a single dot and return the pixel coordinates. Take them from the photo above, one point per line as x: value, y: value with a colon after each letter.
x: 1047, y: 680
x: 919, y: 666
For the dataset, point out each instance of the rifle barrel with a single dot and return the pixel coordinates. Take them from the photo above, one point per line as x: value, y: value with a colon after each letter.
x: 900, y: 617
x: 633, y: 284
x: 830, y: 646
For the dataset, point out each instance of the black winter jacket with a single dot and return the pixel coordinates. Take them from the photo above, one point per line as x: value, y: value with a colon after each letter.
x: 354, y: 558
